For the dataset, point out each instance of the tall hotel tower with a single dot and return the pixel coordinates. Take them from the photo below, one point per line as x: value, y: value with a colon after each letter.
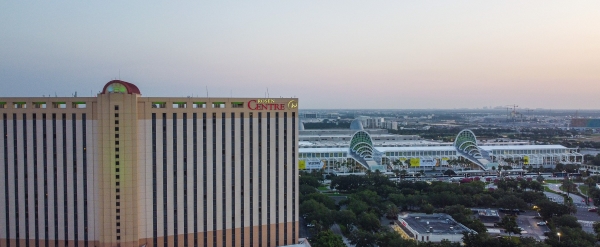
x: 124, y: 170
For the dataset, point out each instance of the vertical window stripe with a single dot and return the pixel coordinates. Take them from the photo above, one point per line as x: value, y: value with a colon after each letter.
x: 154, y: 185
x: 85, y: 179
x: 175, y: 179
x: 6, y: 199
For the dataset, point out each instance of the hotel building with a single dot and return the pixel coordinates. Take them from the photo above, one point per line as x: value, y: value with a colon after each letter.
x: 124, y: 170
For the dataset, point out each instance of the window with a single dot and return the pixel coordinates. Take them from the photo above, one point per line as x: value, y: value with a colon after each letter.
x: 179, y: 105
x: 59, y: 105
x: 218, y: 105
x: 116, y: 107
x: 79, y: 105
x: 40, y: 105
x: 116, y: 121
x: 20, y: 105
x: 237, y: 104
x: 199, y: 105
x: 2, y: 105
x: 159, y: 104
x: 116, y: 114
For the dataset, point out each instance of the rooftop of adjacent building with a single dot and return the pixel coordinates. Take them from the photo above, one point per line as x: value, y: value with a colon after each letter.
x: 435, y: 224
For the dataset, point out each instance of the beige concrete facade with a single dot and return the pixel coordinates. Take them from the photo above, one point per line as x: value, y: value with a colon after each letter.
x: 124, y: 170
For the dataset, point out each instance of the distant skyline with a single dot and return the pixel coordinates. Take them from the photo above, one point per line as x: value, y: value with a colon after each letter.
x: 330, y: 54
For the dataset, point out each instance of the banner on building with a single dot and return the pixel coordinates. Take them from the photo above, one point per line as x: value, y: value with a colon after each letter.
x: 310, y: 164
x: 428, y: 162
x: 526, y: 160
x: 414, y: 162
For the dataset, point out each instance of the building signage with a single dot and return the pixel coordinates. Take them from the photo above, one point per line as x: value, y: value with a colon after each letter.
x: 428, y: 162
x: 310, y: 164
x: 271, y: 105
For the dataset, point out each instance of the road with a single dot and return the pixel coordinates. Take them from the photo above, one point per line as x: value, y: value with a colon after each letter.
x: 584, y: 217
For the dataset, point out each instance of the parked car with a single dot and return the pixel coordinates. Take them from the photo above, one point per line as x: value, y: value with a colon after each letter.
x: 593, y: 210
x: 541, y: 223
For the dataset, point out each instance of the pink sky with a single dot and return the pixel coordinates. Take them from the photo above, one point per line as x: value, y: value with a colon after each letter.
x: 330, y: 54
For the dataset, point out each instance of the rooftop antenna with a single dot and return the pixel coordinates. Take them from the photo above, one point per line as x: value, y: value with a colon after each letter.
x: 119, y: 74
x: 206, y: 91
x: 230, y: 93
x: 267, y: 92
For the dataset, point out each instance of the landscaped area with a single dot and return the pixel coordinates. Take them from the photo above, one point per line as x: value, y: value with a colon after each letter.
x: 373, y: 197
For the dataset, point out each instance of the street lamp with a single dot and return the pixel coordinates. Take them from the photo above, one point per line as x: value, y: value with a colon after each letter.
x: 558, y: 233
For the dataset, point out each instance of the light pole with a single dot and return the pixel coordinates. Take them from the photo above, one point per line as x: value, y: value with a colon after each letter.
x: 558, y: 233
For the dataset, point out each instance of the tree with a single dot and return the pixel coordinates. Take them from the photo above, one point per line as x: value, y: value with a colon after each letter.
x: 369, y: 222
x: 449, y: 172
x: 327, y: 239
x: 511, y: 202
x: 309, y: 180
x: 317, y: 212
x: 391, y: 238
x: 540, y: 179
x: 549, y: 209
x: 566, y: 220
x: 346, y: 218
x: 510, y: 225
x: 392, y: 211
x: 362, y: 238
x: 597, y: 229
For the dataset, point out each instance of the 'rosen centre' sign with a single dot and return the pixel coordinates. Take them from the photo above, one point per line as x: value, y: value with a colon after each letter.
x: 270, y: 105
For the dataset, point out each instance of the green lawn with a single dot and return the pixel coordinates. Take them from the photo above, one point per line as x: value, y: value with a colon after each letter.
x: 584, y: 189
x: 546, y: 189
x: 323, y: 188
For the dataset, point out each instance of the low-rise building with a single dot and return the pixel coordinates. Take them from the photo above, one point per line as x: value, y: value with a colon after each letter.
x: 432, y: 227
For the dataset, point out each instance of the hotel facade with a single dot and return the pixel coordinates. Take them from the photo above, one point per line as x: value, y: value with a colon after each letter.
x: 124, y: 170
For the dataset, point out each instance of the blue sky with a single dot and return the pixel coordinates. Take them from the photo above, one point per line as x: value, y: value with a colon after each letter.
x: 330, y: 54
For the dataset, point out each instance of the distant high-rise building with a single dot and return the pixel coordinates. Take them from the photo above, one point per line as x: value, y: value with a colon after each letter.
x: 124, y: 170
x: 585, y: 123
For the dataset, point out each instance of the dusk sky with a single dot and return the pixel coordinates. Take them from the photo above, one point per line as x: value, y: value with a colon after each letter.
x: 330, y: 54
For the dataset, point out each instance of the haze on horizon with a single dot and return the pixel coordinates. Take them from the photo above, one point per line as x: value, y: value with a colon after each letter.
x: 330, y: 54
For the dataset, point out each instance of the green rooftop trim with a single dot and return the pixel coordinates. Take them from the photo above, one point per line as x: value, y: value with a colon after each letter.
x: 180, y: 103
x: 79, y: 103
x: 199, y: 103
x: 19, y: 103
x: 159, y: 103
x: 59, y: 103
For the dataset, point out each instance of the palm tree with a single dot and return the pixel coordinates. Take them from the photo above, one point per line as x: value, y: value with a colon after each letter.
x: 403, y: 173
x: 397, y: 173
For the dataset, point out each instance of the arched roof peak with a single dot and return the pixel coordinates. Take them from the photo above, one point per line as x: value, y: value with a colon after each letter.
x: 119, y: 86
